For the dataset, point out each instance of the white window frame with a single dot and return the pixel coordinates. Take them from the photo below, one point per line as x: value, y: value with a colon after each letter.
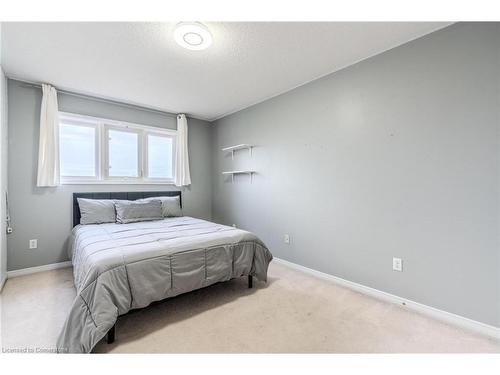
x: 81, y: 121
x: 145, y: 154
x: 102, y: 127
x: 125, y: 129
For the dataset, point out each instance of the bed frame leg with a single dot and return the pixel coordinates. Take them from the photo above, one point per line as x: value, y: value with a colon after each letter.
x: 250, y: 281
x: 110, y: 337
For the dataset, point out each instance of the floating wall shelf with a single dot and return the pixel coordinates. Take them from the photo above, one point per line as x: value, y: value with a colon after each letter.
x: 232, y: 149
x: 232, y: 173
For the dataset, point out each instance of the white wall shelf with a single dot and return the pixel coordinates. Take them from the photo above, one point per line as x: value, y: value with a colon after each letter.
x: 242, y: 146
x: 232, y: 173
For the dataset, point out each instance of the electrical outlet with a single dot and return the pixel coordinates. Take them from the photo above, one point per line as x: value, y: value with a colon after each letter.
x: 33, y: 244
x: 397, y: 264
x: 286, y: 239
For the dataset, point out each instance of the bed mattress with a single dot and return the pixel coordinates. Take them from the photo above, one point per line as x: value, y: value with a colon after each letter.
x: 120, y: 267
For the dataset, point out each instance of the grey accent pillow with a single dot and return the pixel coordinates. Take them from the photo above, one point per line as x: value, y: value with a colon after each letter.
x: 132, y: 211
x: 96, y: 211
x: 170, y: 206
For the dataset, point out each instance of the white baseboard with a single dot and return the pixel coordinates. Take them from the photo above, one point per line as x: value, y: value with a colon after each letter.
x: 2, y: 282
x: 432, y: 312
x: 47, y: 267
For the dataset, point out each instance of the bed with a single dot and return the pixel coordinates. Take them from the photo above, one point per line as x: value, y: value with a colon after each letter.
x: 121, y: 267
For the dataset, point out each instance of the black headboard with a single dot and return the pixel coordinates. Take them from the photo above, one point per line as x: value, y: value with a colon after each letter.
x: 126, y: 195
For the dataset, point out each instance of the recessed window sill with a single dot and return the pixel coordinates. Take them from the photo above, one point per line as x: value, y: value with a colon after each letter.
x: 116, y: 182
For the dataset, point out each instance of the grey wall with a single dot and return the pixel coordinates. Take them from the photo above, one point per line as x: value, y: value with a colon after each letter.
x: 45, y: 213
x: 395, y: 156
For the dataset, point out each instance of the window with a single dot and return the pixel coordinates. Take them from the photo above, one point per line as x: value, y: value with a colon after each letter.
x: 123, y: 153
x: 95, y: 150
x: 160, y: 160
x: 78, y: 150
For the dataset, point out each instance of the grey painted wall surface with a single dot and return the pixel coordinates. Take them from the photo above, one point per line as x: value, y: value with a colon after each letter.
x: 396, y: 156
x: 45, y: 213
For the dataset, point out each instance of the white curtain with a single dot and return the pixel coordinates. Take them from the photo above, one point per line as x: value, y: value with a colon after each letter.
x: 182, y: 176
x: 48, y: 148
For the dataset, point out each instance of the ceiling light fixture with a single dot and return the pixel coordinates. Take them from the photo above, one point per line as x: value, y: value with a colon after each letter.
x: 192, y: 35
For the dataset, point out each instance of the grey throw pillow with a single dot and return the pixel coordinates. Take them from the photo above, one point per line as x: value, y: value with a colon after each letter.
x: 132, y: 211
x: 171, y: 206
x: 96, y: 211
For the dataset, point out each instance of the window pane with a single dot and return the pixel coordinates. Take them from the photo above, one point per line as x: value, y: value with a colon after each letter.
x: 77, y: 150
x: 159, y: 157
x: 123, y: 154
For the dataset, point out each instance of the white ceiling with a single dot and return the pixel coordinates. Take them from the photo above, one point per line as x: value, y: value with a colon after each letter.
x: 140, y: 63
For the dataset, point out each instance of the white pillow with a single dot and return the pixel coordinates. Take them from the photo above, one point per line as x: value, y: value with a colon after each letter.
x: 170, y: 206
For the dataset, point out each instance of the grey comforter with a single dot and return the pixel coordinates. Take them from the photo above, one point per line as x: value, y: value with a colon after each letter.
x: 119, y: 267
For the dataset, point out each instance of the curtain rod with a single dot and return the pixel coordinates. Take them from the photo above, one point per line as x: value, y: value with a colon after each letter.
x: 95, y: 98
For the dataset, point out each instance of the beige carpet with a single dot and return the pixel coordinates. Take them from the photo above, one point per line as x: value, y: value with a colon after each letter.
x: 293, y: 312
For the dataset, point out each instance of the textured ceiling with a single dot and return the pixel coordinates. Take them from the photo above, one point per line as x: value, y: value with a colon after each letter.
x: 140, y: 63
